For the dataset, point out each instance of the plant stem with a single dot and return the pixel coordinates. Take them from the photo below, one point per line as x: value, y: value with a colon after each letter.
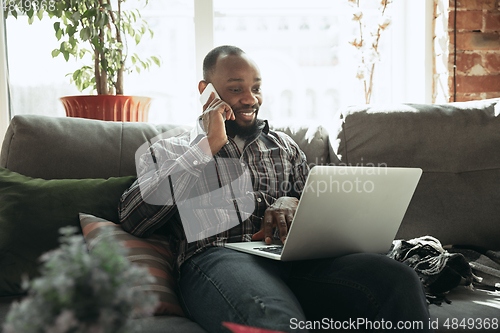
x: 119, y: 73
x: 368, y: 91
x: 103, y: 82
x: 97, y: 72
x: 368, y: 95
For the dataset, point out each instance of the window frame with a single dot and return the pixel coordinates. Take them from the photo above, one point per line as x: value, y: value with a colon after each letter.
x: 4, y: 87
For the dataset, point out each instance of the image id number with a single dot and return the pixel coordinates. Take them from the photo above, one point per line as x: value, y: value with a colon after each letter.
x: 26, y: 5
x: 471, y: 323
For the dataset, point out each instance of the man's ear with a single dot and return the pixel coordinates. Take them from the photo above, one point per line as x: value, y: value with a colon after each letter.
x: 202, y: 85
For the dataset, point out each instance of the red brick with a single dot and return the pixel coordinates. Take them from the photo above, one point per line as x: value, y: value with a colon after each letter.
x: 478, y: 84
x: 451, y: 43
x: 492, y: 62
x: 451, y: 58
x: 471, y: 41
x: 451, y: 63
x: 465, y: 61
x: 491, y: 95
x: 450, y: 84
x: 468, y: 97
x: 474, y: 4
x: 492, y: 21
x: 466, y: 20
x: 474, y: 97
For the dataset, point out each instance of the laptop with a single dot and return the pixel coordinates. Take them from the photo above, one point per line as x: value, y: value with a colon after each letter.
x: 343, y: 210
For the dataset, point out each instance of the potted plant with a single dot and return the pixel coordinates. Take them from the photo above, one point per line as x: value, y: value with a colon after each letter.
x: 83, y: 292
x: 97, y: 30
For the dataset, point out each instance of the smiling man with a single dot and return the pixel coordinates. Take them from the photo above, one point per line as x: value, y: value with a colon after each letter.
x: 364, y: 291
x: 238, y: 83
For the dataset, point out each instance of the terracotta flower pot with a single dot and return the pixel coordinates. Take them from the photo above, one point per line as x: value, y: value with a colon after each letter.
x: 108, y: 107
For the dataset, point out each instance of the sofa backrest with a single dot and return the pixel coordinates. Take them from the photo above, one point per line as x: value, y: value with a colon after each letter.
x: 458, y: 147
x: 60, y: 147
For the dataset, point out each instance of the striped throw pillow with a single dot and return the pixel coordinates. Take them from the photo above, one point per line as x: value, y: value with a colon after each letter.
x: 152, y: 252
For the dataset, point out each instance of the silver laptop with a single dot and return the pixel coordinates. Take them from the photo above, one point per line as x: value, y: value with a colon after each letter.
x: 344, y: 210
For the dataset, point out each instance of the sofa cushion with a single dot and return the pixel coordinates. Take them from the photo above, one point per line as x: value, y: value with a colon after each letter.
x: 152, y: 253
x: 60, y: 147
x: 456, y: 145
x: 33, y: 210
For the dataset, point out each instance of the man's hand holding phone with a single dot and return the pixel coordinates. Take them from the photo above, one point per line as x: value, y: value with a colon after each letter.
x: 215, y: 113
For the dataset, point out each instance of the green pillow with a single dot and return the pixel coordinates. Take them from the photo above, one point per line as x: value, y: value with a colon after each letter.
x: 32, y: 210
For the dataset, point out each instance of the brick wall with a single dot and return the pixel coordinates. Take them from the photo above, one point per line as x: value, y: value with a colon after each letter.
x: 477, y: 49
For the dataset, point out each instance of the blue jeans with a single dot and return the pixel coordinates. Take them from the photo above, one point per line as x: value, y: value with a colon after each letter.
x: 362, y: 292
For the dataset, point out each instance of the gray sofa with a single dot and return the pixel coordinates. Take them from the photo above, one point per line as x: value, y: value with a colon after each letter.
x: 457, y: 200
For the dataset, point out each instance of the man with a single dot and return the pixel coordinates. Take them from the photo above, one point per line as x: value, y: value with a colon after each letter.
x: 218, y: 284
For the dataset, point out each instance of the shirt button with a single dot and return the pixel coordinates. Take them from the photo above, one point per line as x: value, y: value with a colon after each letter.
x: 259, y: 199
x: 195, y: 162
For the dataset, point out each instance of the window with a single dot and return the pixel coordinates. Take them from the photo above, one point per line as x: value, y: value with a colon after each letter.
x: 302, y: 48
x: 308, y: 66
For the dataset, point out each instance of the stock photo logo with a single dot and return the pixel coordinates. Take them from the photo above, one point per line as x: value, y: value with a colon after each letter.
x: 345, y: 179
x: 225, y: 201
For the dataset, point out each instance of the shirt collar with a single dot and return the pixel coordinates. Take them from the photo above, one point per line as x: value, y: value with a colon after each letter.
x: 263, y: 125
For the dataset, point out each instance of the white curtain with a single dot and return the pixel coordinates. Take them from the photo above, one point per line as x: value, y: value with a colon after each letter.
x: 4, y: 96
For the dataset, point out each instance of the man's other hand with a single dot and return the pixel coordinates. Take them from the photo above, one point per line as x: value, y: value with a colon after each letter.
x: 280, y: 214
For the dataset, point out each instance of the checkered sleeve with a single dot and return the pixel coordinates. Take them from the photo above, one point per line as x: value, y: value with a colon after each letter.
x: 167, y: 172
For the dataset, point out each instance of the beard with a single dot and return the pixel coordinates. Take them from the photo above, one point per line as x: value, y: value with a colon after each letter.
x: 244, y: 132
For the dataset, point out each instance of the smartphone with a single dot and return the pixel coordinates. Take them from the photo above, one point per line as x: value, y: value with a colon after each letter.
x: 205, y: 95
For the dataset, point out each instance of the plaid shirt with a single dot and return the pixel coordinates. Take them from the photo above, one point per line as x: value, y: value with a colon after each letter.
x: 177, y: 170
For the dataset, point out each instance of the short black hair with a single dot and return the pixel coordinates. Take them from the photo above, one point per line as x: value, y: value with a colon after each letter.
x: 211, y: 58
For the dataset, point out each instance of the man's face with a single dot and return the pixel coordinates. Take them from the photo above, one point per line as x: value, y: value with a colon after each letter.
x: 237, y: 80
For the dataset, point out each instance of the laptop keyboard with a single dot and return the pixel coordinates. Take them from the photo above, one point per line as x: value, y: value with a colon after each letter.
x: 276, y: 249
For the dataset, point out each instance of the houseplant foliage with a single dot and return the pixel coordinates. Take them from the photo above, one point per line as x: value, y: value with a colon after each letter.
x: 79, y: 292
x: 96, y: 28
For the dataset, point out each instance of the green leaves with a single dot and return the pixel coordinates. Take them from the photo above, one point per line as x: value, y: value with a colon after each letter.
x: 156, y: 61
x: 75, y: 18
x: 76, y: 74
x: 82, y: 53
x: 58, y: 30
x: 83, y: 78
x: 71, y: 29
x: 87, y: 29
x: 89, y: 13
x: 85, y: 33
